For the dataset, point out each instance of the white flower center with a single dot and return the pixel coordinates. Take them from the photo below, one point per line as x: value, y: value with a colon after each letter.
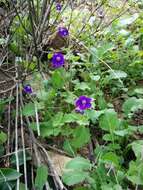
x: 65, y: 33
x: 58, y: 58
x: 83, y: 102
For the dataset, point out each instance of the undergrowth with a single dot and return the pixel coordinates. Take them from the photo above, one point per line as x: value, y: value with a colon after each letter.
x: 71, y: 95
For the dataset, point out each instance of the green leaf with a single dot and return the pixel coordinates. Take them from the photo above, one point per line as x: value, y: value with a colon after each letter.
x: 29, y: 109
x: 111, y: 158
x: 58, y: 119
x: 95, y: 77
x: 50, y: 55
x: 137, y: 147
x: 82, y: 86
x: 124, y: 32
x: 135, y: 172
x: 46, y: 96
x: 117, y: 187
x: 14, y: 47
x: 109, y: 121
x: 98, y: 53
x: 3, y: 137
x: 78, y: 163
x: 58, y: 79
x: 107, y: 137
x: 116, y: 74
x: 20, y: 157
x: 3, y: 41
x: 22, y: 186
x: 81, y: 137
x: 128, y: 20
x: 138, y: 90
x: 132, y: 104
x: 8, y: 174
x: 47, y: 129
x: 126, y: 132
x: 106, y: 187
x: 69, y: 97
x: 93, y: 114
x: 128, y: 104
x: 76, y: 117
x: 68, y: 148
x: 81, y: 188
x: 74, y: 177
x: 121, y: 133
x: 41, y: 177
x: 101, y: 102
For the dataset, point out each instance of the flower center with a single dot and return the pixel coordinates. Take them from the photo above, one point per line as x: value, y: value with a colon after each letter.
x: 58, y: 58
x: 83, y: 102
x: 65, y: 33
x: 28, y: 87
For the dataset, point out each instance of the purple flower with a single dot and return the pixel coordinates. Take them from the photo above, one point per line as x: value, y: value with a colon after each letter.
x: 58, y: 60
x: 83, y: 103
x: 58, y: 7
x: 63, y: 32
x: 28, y: 89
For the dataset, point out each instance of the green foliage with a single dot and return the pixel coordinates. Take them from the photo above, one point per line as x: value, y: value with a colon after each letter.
x: 116, y: 74
x: 29, y: 109
x: 3, y: 137
x: 77, y: 171
x: 109, y: 121
x: 135, y: 172
x: 137, y: 147
x: 74, y: 177
x: 97, y: 54
x: 132, y: 104
x: 103, y: 61
x: 81, y: 136
x: 8, y: 174
x: 41, y: 177
x: 111, y: 158
x: 57, y: 79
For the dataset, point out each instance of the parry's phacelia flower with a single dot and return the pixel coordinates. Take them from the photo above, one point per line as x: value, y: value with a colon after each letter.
x: 63, y: 32
x: 58, y: 7
x: 28, y: 89
x: 83, y: 103
x: 58, y: 60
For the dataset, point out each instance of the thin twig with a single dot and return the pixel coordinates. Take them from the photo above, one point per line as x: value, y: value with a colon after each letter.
x: 57, y: 178
x: 40, y: 29
x: 23, y: 150
x: 16, y: 135
x: 33, y: 34
x: 6, y: 74
x: 33, y: 139
x: 7, y: 90
x: 12, y: 153
x: 8, y: 128
x: 37, y: 120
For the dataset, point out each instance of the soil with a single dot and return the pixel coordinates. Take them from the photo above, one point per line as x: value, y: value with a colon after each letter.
x: 137, y: 118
